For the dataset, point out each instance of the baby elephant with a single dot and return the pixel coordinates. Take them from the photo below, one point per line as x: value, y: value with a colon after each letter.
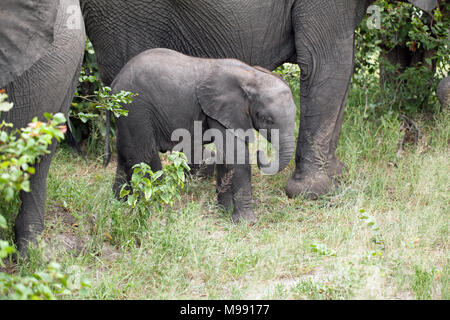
x: 204, y: 100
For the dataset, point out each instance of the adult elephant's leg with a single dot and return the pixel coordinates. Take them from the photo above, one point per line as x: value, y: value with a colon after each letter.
x: 30, y: 220
x: 324, y: 41
x: 335, y: 166
x: 48, y: 86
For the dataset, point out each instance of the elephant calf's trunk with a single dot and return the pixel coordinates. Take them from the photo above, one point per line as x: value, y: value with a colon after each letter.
x: 283, y: 157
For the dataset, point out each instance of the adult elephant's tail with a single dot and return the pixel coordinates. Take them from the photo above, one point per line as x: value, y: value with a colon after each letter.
x: 107, y: 156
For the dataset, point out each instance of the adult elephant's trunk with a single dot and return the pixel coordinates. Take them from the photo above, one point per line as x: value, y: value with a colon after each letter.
x: 283, y: 154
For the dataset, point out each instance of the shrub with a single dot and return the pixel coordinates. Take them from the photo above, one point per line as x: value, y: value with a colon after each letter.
x: 409, y: 54
x: 20, y: 149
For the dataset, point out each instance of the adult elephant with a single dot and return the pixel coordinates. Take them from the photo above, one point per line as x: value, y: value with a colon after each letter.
x: 443, y: 92
x: 316, y: 34
x: 41, y: 52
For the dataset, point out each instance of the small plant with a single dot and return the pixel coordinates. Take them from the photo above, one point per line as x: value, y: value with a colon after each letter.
x: 322, y: 249
x: 159, y: 188
x: 377, y: 239
x: 91, y: 115
x: 422, y: 283
x: 148, y: 193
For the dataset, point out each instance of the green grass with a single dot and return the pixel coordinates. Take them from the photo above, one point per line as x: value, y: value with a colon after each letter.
x: 382, y: 235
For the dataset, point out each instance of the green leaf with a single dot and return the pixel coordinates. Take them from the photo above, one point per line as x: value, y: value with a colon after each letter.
x: 124, y: 192
x: 3, y: 223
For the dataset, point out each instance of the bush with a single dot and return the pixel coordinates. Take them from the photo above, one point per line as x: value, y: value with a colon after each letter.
x: 409, y: 54
x: 20, y: 149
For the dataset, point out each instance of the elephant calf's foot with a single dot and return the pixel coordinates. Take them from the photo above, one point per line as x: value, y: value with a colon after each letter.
x: 244, y: 216
x: 312, y: 185
x: 225, y: 200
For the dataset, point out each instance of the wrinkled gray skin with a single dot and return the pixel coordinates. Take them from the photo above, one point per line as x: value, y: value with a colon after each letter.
x: 318, y: 35
x: 443, y: 92
x: 39, y: 75
x: 174, y: 90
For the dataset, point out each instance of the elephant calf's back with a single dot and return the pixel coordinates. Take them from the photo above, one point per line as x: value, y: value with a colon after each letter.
x: 163, y: 76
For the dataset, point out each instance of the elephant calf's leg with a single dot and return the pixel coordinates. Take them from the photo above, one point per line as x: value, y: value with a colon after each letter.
x: 242, y: 194
x: 129, y: 155
x: 202, y: 170
x: 224, y: 187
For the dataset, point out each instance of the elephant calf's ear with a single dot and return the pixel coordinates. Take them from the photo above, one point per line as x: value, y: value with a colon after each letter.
x: 222, y: 98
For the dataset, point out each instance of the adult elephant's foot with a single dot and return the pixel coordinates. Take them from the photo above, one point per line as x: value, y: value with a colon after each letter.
x: 336, y: 168
x: 311, y: 185
x: 26, y: 236
x: 244, y: 216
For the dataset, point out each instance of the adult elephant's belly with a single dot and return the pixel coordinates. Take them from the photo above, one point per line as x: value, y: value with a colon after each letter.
x: 258, y: 32
x: 254, y: 31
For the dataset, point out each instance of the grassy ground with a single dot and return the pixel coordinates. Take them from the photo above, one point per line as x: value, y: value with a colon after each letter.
x: 382, y: 235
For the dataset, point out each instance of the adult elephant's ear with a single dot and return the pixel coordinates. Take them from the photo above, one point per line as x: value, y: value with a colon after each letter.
x: 223, y: 96
x: 426, y: 5
x: 26, y: 34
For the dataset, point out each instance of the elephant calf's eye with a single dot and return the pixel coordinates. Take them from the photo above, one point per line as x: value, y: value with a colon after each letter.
x: 268, y: 120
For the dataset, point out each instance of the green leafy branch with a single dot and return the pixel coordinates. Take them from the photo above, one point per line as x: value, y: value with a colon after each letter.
x: 103, y: 100
x: 20, y: 149
x: 49, y: 284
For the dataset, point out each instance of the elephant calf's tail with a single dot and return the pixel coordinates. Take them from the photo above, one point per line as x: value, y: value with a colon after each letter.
x: 107, y: 157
